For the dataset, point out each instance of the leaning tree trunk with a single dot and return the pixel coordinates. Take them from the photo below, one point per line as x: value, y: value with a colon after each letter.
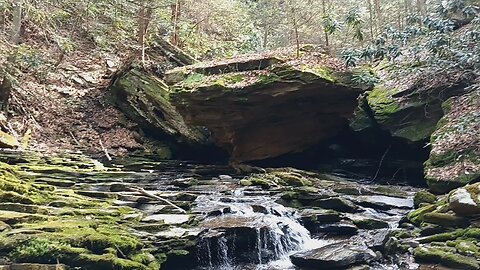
x: 17, y: 21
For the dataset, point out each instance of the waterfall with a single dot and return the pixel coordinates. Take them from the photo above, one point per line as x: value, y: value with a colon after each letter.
x: 256, y: 231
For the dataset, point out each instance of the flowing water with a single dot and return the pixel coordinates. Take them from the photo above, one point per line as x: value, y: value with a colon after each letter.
x: 255, y: 230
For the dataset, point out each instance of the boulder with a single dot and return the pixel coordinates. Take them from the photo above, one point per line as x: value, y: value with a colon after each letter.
x: 463, y: 201
x: 263, y: 107
x: 143, y: 97
x: 455, y: 157
x: 408, y: 108
x: 334, y: 256
x: 8, y: 141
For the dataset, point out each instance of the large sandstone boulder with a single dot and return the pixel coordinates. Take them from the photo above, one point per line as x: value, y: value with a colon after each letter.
x: 455, y: 157
x: 265, y: 106
x: 464, y: 201
x: 143, y: 97
x: 409, y: 107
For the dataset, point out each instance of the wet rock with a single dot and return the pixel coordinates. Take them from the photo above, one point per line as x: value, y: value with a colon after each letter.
x: 446, y: 220
x: 447, y: 258
x: 219, y: 211
x: 33, y: 266
x: 424, y: 197
x: 368, y: 223
x: 171, y: 219
x: 55, y: 182
x: 341, y: 228
x: 376, y: 240
x: 185, y: 182
x: 384, y: 202
x: 179, y: 233
x: 96, y: 194
x: 225, y: 177
x: 260, y: 209
x: 337, y: 204
x: 319, y: 215
x: 334, y: 256
x: 119, y: 187
x: 463, y: 202
x: 186, y: 197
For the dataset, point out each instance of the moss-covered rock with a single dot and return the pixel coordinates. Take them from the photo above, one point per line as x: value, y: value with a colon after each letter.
x: 455, y: 157
x: 436, y: 255
x: 85, y: 232
x: 424, y: 197
x: 251, y: 105
x: 144, y: 98
x: 8, y: 141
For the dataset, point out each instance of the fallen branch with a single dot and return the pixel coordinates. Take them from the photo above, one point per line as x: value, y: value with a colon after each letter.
x: 105, y: 150
x: 146, y: 193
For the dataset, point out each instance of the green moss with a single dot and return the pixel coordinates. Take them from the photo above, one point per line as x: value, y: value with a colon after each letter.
x: 291, y: 179
x: 443, y: 237
x: 445, y: 220
x: 416, y: 216
x: 434, y: 255
x: 424, y: 197
x: 108, y: 262
x: 370, y: 224
x: 466, y: 247
x: 382, y: 103
x: 322, y: 72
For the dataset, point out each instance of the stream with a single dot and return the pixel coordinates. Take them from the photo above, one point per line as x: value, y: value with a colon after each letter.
x: 331, y: 222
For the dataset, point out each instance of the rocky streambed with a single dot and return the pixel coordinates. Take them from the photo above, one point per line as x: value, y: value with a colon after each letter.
x: 74, y: 212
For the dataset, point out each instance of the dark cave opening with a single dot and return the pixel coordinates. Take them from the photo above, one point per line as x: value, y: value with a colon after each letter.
x: 369, y: 156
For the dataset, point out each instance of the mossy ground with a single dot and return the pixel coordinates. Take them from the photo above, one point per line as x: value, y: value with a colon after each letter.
x: 84, y: 232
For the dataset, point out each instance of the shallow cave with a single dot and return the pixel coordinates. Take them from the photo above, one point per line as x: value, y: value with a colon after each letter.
x: 370, y: 156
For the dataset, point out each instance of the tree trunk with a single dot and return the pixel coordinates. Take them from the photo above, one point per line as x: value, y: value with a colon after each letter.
x: 327, y: 41
x: 265, y: 37
x: 144, y: 17
x: 379, y: 15
x: 176, y: 12
x: 17, y: 21
x: 370, y: 17
x: 422, y: 7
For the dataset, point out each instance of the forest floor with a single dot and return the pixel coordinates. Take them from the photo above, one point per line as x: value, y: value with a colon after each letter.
x: 63, y: 101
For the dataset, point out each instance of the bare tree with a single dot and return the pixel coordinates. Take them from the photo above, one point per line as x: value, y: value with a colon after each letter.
x: 17, y: 21
x: 144, y: 18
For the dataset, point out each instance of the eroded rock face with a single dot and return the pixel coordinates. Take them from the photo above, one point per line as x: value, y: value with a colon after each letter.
x: 409, y: 107
x: 143, y: 97
x: 265, y: 110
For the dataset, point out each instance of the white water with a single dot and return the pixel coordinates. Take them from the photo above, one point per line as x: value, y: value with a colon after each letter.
x: 278, y: 233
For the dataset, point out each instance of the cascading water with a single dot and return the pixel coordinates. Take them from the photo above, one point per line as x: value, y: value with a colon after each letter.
x: 255, y: 233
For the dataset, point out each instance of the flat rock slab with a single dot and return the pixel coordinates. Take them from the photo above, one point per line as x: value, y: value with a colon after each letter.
x: 11, y: 217
x: 171, y: 219
x: 33, y: 266
x: 179, y: 232
x: 334, y: 256
x: 384, y: 202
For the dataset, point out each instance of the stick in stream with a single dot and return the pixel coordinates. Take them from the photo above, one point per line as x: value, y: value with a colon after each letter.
x: 146, y: 193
